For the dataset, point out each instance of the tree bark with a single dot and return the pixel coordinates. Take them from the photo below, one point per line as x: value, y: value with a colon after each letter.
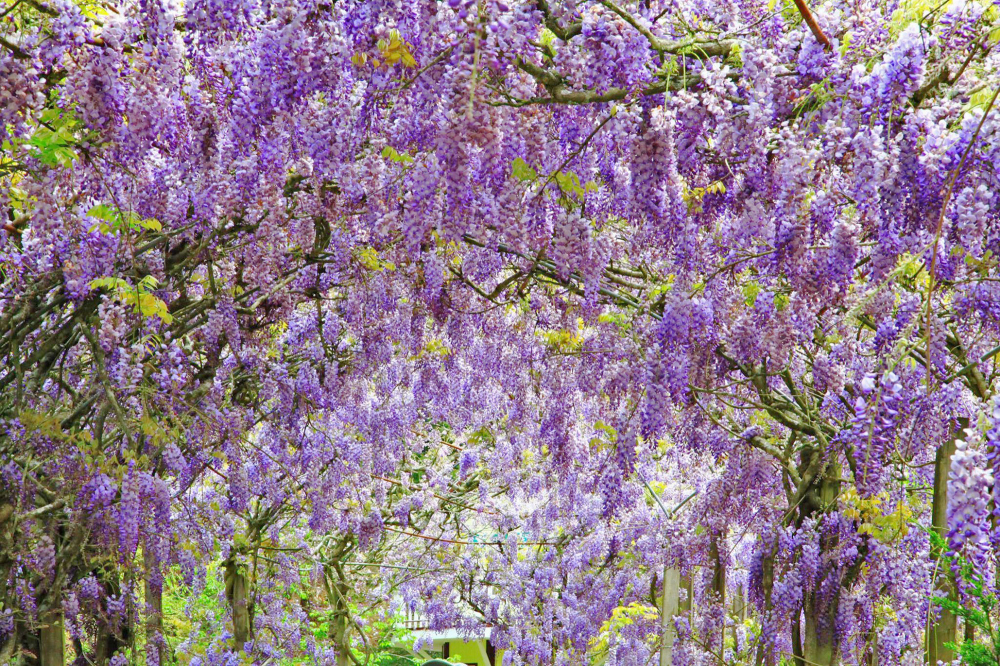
x: 336, y: 592
x: 687, y: 603
x: 105, y: 647
x: 52, y: 639
x: 739, y: 604
x: 236, y: 591
x: 154, y: 609
x: 739, y: 611
x: 7, y: 648
x: 107, y: 642
x: 340, y: 640
x: 945, y: 630
x: 819, y: 644
x: 719, y: 583
x: 718, y: 571
x: 765, y: 652
x: 797, y: 641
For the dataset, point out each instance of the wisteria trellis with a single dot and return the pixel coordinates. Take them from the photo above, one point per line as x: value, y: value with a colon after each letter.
x: 292, y: 290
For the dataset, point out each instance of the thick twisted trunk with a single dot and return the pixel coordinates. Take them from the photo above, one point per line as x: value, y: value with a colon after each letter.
x: 338, y: 626
x: 108, y: 643
x: 819, y: 646
x: 819, y: 635
x: 237, y: 589
x: 336, y: 592
x: 105, y: 647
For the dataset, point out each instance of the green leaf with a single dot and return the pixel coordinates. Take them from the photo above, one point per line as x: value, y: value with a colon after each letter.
x: 569, y: 183
x: 139, y: 296
x: 115, y: 221
x: 390, y: 153
x: 43, y: 138
x: 102, y: 212
x: 975, y: 654
x: 978, y: 100
x: 151, y: 306
x: 845, y: 42
x: 750, y: 291
x: 109, y: 283
x: 64, y: 157
x: 53, y: 147
x: 50, y: 115
x: 523, y: 171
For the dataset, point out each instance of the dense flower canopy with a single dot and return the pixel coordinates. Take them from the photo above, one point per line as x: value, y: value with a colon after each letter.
x: 444, y: 307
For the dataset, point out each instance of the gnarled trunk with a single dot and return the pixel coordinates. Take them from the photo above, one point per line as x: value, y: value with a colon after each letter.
x: 338, y: 628
x: 819, y: 636
x: 336, y: 592
x: 107, y: 642
x: 819, y: 645
x: 105, y: 647
x: 237, y: 589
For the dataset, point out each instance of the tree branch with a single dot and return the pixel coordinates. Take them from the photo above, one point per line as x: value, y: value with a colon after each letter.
x: 811, y: 22
x: 707, y: 47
